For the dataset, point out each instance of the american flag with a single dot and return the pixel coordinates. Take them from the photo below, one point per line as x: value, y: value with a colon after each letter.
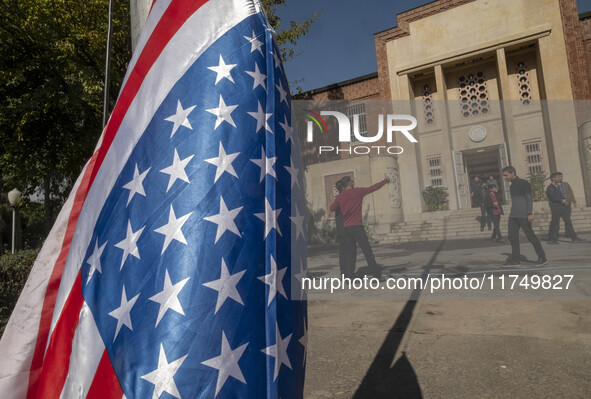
x: 172, y: 270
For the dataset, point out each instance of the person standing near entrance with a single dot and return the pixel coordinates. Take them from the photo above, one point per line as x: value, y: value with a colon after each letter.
x: 349, y: 202
x: 557, y: 193
x: 521, y: 217
x: 339, y: 220
x: 497, y: 211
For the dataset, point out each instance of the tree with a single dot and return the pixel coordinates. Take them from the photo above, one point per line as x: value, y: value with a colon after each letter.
x: 287, y: 38
x: 51, y: 87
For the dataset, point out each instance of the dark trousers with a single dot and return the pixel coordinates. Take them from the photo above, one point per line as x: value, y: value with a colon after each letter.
x: 345, y: 252
x: 522, y: 223
x: 485, y: 217
x: 564, y: 213
x: 353, y: 235
x: 496, y: 219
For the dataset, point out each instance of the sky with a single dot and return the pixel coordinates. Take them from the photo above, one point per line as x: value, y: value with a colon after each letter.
x: 340, y: 44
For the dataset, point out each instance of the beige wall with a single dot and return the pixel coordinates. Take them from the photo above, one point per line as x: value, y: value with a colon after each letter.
x: 465, y: 39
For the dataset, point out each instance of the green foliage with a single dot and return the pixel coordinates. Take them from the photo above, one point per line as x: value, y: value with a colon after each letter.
x: 287, y: 38
x: 51, y: 88
x: 14, y: 270
x: 436, y: 198
x: 538, y: 185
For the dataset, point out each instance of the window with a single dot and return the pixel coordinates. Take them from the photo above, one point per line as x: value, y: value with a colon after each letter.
x: 428, y: 109
x: 359, y: 111
x: 523, y: 83
x: 473, y: 95
x: 533, y: 156
x: 435, y: 172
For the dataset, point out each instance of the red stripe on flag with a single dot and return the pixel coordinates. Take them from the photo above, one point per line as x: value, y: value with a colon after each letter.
x: 53, y: 286
x: 51, y: 382
x: 172, y: 19
x: 105, y: 384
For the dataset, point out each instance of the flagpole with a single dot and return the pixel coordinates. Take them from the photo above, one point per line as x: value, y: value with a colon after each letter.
x: 108, y: 65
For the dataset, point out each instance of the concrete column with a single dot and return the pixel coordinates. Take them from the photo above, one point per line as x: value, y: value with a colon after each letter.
x: 507, y: 113
x: 585, y: 145
x: 446, y: 155
x: 410, y: 165
x: 138, y: 10
x: 562, y: 132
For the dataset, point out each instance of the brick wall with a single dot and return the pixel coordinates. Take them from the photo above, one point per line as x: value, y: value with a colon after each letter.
x: 586, y: 37
x: 575, y: 51
x: 356, y: 89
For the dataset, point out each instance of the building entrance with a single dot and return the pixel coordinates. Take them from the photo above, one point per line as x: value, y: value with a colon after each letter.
x: 484, y: 162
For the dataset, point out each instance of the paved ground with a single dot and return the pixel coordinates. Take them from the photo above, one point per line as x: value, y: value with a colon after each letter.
x: 519, y: 343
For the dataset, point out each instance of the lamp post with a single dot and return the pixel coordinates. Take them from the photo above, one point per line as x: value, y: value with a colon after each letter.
x: 14, y: 198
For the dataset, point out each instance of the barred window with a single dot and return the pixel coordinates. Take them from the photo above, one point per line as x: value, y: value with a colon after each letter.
x: 533, y: 156
x: 473, y: 95
x: 358, y: 110
x: 435, y: 172
x: 523, y: 83
x: 428, y: 108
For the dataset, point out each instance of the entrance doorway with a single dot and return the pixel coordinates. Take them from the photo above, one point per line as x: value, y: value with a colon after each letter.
x: 483, y: 162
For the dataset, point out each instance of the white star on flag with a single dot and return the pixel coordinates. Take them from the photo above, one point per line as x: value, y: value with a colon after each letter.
x: 226, y: 286
x: 255, y: 44
x: 168, y: 298
x: 293, y: 171
x: 287, y: 128
x: 180, y: 118
x: 223, y: 163
x: 282, y: 93
x: 279, y: 351
x: 276, y: 59
x: 172, y: 230
x: 223, y: 113
x: 304, y: 341
x: 123, y: 313
x: 261, y: 118
x: 225, y: 220
x: 129, y: 243
x: 266, y: 165
x: 298, y: 220
x: 222, y: 70
x: 136, y: 185
x: 275, y: 281
x: 163, y: 376
x: 299, y: 276
x: 94, y: 260
x: 177, y: 169
x: 259, y: 78
x: 227, y: 363
x: 270, y: 218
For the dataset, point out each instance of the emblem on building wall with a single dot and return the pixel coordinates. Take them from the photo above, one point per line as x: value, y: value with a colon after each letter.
x: 477, y: 134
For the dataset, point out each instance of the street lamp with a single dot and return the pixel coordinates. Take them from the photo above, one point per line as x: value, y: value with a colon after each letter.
x: 14, y: 197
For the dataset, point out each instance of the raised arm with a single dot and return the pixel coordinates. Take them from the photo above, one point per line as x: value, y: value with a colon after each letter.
x: 377, y: 186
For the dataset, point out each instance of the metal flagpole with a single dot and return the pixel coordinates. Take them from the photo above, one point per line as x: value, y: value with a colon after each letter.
x: 108, y: 65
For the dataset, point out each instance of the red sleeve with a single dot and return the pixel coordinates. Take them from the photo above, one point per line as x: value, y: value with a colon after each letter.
x: 371, y: 189
x: 334, y: 205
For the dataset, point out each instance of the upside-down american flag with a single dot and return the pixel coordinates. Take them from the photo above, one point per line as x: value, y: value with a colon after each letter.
x: 172, y: 270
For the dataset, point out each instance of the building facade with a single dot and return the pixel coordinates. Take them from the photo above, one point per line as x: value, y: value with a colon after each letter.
x: 491, y: 83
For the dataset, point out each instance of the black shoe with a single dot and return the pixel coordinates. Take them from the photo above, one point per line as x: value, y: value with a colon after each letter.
x: 541, y: 261
x: 511, y: 262
x: 577, y: 240
x: 482, y: 229
x: 551, y: 242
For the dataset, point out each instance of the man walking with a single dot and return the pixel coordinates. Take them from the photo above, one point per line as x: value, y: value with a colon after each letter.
x: 349, y: 202
x: 557, y: 193
x: 521, y: 217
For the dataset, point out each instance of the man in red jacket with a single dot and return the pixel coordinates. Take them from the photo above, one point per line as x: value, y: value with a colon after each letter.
x: 349, y: 202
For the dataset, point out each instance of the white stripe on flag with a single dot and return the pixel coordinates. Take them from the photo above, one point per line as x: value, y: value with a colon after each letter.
x: 18, y: 341
x: 87, y: 350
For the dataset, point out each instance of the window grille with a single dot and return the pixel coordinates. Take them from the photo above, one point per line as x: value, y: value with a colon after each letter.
x: 435, y: 171
x: 473, y: 95
x: 359, y: 110
x: 523, y: 83
x: 533, y: 156
x: 428, y: 109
